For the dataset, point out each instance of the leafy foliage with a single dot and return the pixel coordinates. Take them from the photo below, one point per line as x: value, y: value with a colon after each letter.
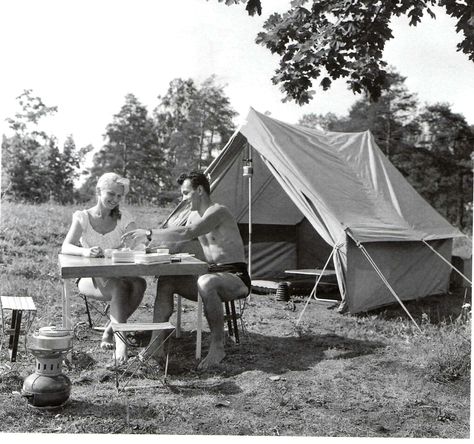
x: 330, y: 39
x: 185, y: 132
x: 193, y: 122
x: 253, y: 6
x: 132, y: 149
x: 34, y: 169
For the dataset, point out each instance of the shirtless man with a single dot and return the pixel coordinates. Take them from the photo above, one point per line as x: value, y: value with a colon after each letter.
x: 223, y: 249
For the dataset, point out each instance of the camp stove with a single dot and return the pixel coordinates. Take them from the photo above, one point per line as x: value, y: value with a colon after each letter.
x: 48, y: 388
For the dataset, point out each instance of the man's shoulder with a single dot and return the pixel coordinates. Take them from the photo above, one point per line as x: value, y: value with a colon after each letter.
x: 222, y: 210
x: 215, y: 210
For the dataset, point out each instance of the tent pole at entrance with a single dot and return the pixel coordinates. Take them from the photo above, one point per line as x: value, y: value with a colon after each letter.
x: 248, y: 172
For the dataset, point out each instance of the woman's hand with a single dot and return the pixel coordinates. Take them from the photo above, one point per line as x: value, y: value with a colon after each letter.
x: 93, y: 252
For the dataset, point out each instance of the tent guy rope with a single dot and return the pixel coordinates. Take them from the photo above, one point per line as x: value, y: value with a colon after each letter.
x: 447, y: 262
x: 382, y: 277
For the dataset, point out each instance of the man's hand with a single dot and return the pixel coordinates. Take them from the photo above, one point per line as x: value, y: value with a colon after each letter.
x: 133, y: 237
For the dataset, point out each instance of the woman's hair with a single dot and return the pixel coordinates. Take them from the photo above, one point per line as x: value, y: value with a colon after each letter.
x: 108, y: 179
x: 197, y: 178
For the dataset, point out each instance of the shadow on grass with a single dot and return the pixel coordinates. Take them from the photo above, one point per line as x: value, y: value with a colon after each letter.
x: 269, y: 354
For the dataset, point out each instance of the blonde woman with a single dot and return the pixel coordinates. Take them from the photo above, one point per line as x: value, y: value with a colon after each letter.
x: 94, y: 230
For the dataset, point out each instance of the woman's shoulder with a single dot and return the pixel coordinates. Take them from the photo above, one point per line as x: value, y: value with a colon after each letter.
x: 80, y: 215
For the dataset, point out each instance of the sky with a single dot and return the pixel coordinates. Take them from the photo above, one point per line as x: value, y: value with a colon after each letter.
x: 85, y: 56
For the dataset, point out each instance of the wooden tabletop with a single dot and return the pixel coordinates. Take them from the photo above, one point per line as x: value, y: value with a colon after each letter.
x: 78, y: 266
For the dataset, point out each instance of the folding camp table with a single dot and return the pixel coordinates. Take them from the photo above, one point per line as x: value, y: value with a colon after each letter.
x: 314, y: 272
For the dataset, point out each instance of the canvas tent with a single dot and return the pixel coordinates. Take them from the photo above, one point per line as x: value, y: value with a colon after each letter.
x: 314, y: 193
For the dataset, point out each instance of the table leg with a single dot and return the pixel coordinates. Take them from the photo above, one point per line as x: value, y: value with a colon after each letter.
x: 67, y: 292
x: 178, y: 316
x: 199, y: 328
x: 16, y: 323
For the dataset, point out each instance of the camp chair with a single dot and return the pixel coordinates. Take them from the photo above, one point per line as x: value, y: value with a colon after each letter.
x: 96, y: 311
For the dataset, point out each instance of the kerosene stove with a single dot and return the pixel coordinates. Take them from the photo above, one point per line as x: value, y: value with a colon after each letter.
x: 48, y: 387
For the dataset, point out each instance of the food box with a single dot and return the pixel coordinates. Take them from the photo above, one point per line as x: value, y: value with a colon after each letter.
x: 152, y: 258
x: 123, y: 256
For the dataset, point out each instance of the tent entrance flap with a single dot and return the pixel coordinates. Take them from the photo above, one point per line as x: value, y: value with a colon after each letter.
x: 276, y: 248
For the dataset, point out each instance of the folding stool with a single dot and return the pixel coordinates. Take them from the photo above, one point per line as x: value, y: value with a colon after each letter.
x: 134, y: 364
x: 101, y: 312
x: 18, y: 306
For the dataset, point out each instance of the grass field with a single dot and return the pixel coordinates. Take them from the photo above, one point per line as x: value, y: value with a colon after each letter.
x: 371, y: 375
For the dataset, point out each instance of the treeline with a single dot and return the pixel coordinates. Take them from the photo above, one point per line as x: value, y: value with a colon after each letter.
x: 431, y: 146
x: 185, y: 130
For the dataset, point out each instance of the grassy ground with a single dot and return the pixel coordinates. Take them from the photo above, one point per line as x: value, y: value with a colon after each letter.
x: 371, y: 375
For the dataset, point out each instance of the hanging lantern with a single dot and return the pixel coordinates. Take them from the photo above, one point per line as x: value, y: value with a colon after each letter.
x: 48, y: 388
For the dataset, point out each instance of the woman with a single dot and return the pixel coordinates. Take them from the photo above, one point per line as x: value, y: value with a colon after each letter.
x: 91, y: 232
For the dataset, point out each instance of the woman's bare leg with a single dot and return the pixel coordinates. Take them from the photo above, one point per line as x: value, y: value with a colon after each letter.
x: 135, y: 296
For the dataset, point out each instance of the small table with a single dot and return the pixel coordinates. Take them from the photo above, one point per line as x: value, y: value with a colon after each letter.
x: 314, y: 272
x: 17, y: 305
x: 72, y: 267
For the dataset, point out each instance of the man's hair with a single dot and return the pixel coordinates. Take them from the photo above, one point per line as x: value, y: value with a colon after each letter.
x: 197, y: 178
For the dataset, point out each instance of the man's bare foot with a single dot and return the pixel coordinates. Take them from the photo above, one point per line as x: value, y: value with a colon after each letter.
x: 214, y: 357
x: 121, y: 351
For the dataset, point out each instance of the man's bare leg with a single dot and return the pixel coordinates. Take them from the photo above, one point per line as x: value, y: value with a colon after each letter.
x: 167, y: 286
x: 214, y: 289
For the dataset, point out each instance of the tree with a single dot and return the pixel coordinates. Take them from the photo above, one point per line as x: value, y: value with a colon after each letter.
x: 132, y: 149
x: 214, y: 115
x: 66, y: 171
x: 193, y: 122
x: 29, y: 154
x: 332, y: 39
x: 392, y: 119
x: 449, y: 138
x: 326, y: 122
x: 177, y: 132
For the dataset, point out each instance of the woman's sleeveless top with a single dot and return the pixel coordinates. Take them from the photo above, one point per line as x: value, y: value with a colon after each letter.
x: 91, y: 238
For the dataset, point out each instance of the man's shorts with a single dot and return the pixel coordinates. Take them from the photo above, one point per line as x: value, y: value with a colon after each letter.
x: 237, y: 268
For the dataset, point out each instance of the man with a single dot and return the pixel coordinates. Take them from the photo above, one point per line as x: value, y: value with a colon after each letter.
x: 223, y: 249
